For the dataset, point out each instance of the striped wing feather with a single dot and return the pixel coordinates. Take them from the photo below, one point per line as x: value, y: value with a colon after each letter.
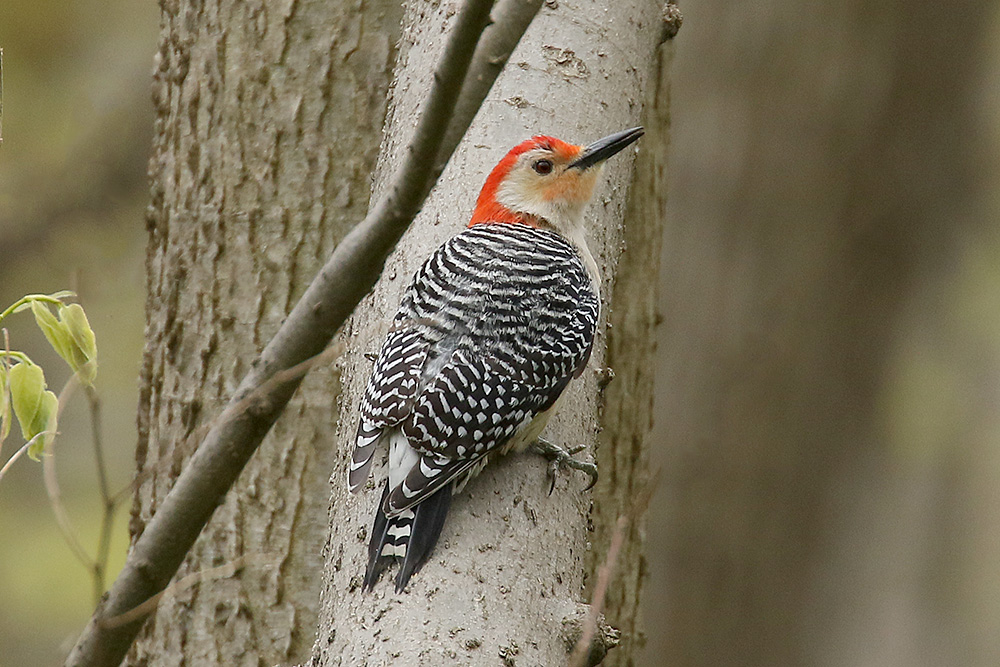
x: 490, y: 332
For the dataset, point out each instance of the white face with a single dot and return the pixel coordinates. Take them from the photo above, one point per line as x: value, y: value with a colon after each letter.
x: 542, y: 184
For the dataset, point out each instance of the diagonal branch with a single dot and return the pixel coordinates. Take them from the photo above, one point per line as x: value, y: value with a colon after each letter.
x: 581, y: 652
x: 347, y: 277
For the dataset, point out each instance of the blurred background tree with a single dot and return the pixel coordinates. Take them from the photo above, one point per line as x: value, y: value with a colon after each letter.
x: 828, y: 395
x: 827, y: 398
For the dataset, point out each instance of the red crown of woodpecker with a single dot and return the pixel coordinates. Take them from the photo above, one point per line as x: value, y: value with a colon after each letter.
x: 554, y: 187
x: 488, y: 209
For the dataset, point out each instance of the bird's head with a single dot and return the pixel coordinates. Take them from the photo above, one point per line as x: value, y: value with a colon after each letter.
x: 546, y: 182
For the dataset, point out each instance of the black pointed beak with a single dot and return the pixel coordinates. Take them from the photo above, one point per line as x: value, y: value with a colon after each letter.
x: 602, y: 149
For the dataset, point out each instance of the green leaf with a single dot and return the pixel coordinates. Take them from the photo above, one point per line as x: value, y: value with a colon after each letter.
x: 27, y: 384
x: 35, y: 408
x: 55, y: 331
x: 70, y: 336
x: 83, y: 343
x: 50, y: 414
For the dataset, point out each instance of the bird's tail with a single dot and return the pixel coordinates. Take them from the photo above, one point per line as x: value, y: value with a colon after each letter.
x: 409, y: 537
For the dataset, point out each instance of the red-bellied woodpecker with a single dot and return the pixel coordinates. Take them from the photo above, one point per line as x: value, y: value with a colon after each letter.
x: 494, y: 326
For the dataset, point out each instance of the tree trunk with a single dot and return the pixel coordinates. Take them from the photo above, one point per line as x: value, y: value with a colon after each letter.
x: 268, y: 117
x: 623, y: 456
x: 512, y: 560
x: 827, y: 191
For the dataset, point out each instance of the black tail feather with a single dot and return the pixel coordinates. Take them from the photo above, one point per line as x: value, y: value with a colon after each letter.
x: 380, y: 528
x: 409, y: 536
x: 428, y: 521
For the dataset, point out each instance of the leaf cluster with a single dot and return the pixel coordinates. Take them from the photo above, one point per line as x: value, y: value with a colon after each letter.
x: 24, y: 394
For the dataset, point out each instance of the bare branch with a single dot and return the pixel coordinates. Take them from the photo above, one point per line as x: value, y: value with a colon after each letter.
x: 55, y: 495
x: 211, y: 574
x: 62, y: 518
x: 510, y: 20
x: 347, y: 277
x: 16, y: 455
x: 4, y: 366
x: 95, y: 424
x: 107, y: 500
x: 190, y: 443
x: 579, y: 656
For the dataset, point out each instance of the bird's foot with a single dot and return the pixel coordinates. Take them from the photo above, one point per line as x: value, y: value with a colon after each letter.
x: 559, y: 457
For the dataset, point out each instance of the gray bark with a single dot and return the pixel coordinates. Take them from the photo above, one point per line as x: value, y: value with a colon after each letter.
x: 512, y: 560
x: 626, y: 413
x: 266, y: 134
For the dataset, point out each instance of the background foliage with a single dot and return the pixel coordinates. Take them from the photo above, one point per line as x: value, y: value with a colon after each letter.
x: 76, y: 129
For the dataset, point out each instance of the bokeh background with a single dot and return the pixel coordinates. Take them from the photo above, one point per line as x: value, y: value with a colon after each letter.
x: 77, y: 121
x: 827, y: 402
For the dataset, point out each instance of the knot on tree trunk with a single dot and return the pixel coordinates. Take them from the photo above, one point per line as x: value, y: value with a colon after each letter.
x: 604, y: 637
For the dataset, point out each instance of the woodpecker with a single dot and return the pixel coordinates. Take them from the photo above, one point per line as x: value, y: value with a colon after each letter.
x: 488, y: 335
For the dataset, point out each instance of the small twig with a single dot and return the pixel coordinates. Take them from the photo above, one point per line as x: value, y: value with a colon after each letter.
x: 43, y: 298
x: 54, y: 493
x: 260, y: 394
x: 17, y: 455
x: 52, y: 486
x: 3, y: 362
x: 95, y: 424
x: 96, y: 566
x: 211, y: 574
x: 579, y: 656
x: 59, y: 509
x: 108, y: 502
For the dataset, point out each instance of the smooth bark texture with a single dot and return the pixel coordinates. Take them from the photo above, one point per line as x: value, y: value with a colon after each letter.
x: 268, y: 118
x: 512, y: 559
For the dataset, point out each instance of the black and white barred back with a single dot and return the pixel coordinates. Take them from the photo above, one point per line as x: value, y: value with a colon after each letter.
x: 494, y: 326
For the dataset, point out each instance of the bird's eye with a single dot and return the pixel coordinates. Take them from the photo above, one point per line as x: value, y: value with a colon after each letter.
x: 542, y: 167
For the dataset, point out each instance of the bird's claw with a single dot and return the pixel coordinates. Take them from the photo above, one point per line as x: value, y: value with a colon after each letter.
x: 559, y: 457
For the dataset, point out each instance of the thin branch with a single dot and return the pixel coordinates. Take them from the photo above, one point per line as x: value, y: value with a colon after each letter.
x: 510, y: 20
x: 59, y: 509
x: 107, y: 500
x: 55, y: 494
x: 211, y: 574
x: 95, y: 425
x: 55, y: 299
x: 347, y: 277
x: 4, y: 368
x: 16, y: 455
x: 97, y: 565
x: 190, y: 443
x: 579, y: 656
